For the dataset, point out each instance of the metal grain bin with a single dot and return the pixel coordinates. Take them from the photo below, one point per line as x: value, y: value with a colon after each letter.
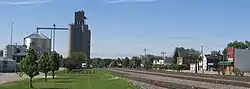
x: 39, y: 42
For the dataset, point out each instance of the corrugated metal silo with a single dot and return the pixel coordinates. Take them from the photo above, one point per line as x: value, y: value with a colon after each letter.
x: 39, y: 42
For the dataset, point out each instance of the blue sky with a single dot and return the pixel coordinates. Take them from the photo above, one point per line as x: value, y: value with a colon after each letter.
x: 125, y: 27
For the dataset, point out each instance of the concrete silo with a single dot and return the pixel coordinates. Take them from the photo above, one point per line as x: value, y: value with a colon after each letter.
x: 79, y: 35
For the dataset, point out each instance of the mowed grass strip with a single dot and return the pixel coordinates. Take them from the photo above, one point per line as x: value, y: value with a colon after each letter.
x: 101, y: 79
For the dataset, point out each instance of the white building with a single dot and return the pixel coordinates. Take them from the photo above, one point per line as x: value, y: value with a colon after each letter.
x: 7, y: 65
x: 158, y: 62
x: 192, y: 66
x: 203, y: 63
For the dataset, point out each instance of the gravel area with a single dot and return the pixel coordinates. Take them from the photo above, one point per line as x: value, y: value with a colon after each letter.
x: 195, y: 78
x: 145, y: 85
x: 226, y: 77
x: 183, y: 81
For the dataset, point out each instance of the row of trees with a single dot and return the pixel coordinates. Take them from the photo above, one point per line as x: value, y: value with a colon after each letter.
x: 76, y: 59
x: 32, y: 64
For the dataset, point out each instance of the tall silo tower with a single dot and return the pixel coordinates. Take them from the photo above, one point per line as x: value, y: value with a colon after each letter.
x: 79, y: 35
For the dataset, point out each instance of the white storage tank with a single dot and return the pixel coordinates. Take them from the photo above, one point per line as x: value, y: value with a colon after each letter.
x: 39, y: 42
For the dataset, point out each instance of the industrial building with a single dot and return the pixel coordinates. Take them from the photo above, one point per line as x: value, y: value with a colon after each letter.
x: 7, y: 65
x: 79, y: 35
x: 10, y: 50
x: 1, y: 53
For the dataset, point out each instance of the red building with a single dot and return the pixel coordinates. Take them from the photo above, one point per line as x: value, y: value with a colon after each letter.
x: 237, y: 58
x: 230, y: 58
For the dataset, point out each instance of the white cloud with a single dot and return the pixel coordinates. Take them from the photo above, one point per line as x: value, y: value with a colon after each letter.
x: 25, y: 2
x: 120, y: 1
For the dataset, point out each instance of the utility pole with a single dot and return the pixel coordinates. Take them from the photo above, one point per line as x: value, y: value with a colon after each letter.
x: 11, y: 32
x: 51, y: 37
x: 54, y: 34
x: 202, y: 55
x: 196, y: 70
x: 11, y: 35
x: 16, y: 60
x: 145, y: 56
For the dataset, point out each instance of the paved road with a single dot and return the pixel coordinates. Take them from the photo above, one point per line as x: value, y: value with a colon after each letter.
x: 10, y: 77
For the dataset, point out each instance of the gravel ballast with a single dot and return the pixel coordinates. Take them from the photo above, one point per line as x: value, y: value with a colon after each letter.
x: 145, y: 85
x: 183, y: 81
x: 194, y: 78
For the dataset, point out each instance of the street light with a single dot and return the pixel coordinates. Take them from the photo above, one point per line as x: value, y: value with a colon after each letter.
x: 163, y: 55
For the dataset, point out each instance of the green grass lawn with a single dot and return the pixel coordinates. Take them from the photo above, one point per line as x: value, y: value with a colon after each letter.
x: 101, y: 79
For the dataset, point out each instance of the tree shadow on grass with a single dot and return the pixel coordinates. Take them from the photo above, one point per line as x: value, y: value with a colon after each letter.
x: 52, y: 88
x: 62, y: 78
x: 63, y: 81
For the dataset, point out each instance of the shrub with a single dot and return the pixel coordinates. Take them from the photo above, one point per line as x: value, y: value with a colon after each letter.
x: 236, y: 71
x: 223, y: 71
x: 230, y: 72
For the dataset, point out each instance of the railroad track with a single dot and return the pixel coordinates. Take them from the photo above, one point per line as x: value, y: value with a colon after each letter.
x: 192, y: 78
x: 227, y: 77
x: 202, y: 79
x: 167, y: 85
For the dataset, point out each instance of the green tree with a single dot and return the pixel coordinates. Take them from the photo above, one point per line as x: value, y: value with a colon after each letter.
x: 179, y: 52
x: 137, y: 62
x: 216, y: 53
x: 196, y: 57
x: 79, y: 58
x: 176, y: 54
x: 125, y: 62
x: 69, y: 64
x: 236, y: 44
x: 96, y: 62
x: 29, y: 65
x: 113, y: 63
x: 150, y: 59
x: 61, y: 57
x: 44, y: 64
x: 54, y: 62
x: 132, y: 62
x: 119, y: 62
x: 105, y: 62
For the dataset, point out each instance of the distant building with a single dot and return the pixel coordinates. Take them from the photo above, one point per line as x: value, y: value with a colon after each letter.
x: 203, y: 63
x: 13, y: 49
x: 158, y: 62
x: 79, y: 35
x: 19, y: 56
x: 237, y: 58
x: 192, y: 66
x: 7, y: 65
x: 1, y: 53
x: 168, y: 60
x: 212, y: 62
